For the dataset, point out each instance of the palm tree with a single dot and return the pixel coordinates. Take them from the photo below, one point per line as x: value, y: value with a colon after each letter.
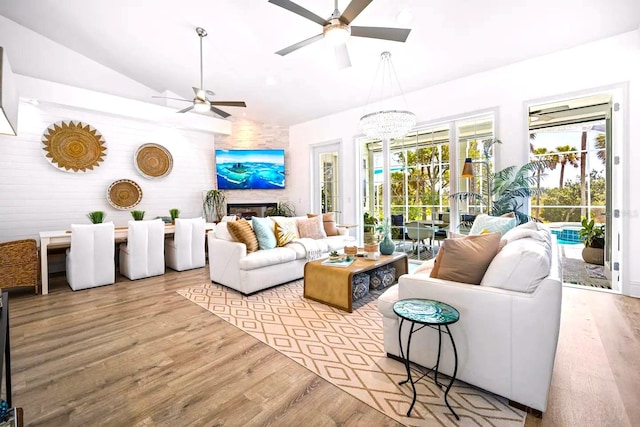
x: 548, y: 158
x: 600, y: 143
x: 566, y: 156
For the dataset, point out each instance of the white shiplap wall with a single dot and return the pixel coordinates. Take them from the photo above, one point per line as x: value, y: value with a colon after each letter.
x: 36, y: 196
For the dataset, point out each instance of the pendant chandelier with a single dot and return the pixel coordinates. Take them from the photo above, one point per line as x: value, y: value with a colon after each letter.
x: 387, y: 123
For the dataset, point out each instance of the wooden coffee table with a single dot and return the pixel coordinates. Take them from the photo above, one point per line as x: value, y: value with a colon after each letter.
x: 333, y: 285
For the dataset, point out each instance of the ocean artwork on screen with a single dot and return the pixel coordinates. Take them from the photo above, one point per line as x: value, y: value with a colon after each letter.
x: 250, y: 169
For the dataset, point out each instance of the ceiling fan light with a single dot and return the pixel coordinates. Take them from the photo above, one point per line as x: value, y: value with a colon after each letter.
x: 337, y: 33
x: 201, y: 106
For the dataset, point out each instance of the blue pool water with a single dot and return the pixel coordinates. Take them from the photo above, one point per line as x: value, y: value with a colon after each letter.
x: 567, y: 236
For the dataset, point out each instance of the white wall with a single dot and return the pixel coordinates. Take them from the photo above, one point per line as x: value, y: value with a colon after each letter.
x: 604, y: 63
x: 36, y: 196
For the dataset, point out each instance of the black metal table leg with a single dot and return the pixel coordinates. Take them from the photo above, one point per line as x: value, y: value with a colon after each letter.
x: 455, y: 371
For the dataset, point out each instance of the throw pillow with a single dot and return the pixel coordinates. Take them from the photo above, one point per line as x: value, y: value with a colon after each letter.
x: 520, y: 266
x: 285, y: 229
x: 466, y: 260
x: 243, y: 233
x: 222, y: 232
x: 328, y: 222
x: 528, y: 229
x: 264, y: 229
x: 311, y: 228
x: 492, y: 224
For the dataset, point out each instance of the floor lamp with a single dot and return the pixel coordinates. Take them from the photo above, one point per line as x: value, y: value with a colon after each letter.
x: 467, y: 172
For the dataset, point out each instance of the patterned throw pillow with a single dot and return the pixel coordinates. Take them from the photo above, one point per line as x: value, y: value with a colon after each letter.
x: 243, y: 233
x: 285, y: 231
x: 328, y: 222
x: 311, y: 228
x: 264, y: 229
x: 492, y: 224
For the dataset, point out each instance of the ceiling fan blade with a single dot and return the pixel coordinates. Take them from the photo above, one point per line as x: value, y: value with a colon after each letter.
x: 354, y: 9
x: 394, y: 34
x: 209, y: 92
x: 200, y: 94
x: 219, y: 112
x: 175, y: 99
x: 186, y: 109
x: 342, y: 56
x: 299, y: 10
x: 303, y: 43
x: 229, y: 103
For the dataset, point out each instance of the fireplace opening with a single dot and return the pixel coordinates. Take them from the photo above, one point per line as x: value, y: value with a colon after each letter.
x: 248, y: 210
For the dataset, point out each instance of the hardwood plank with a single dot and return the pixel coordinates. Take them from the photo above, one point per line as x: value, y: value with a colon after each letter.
x: 137, y: 353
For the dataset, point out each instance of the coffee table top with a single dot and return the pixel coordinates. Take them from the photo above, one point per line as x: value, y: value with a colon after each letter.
x: 362, y: 263
x: 426, y: 311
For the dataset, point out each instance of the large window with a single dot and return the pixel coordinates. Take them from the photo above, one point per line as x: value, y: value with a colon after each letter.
x: 420, y: 174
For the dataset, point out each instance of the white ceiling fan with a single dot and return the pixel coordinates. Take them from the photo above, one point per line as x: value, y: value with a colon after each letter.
x: 202, y: 102
x: 337, y: 28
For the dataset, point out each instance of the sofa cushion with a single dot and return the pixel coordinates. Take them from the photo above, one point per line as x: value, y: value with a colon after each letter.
x: 261, y: 259
x: 425, y: 267
x: 520, y: 265
x: 386, y: 301
x: 265, y: 233
x: 528, y: 229
x: 328, y: 222
x: 222, y: 232
x: 243, y: 233
x: 285, y: 230
x: 300, y: 250
x: 311, y: 228
x: 492, y: 224
x: 466, y: 259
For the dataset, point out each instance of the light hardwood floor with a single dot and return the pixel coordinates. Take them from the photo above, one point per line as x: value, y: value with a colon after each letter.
x: 136, y: 353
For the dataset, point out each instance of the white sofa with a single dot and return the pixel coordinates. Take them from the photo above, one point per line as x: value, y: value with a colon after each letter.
x: 230, y: 264
x: 506, y: 339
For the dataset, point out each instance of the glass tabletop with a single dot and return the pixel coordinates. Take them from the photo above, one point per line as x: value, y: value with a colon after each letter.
x: 426, y: 311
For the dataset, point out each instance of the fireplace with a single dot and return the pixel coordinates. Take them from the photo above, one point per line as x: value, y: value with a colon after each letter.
x: 247, y: 210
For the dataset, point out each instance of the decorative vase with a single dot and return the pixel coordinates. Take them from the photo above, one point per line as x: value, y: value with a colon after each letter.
x: 387, y: 246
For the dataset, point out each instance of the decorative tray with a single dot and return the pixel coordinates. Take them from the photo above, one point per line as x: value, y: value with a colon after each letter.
x: 124, y: 194
x: 73, y: 146
x: 153, y: 161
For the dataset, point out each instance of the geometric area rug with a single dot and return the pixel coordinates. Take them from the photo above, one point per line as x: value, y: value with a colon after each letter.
x: 346, y: 350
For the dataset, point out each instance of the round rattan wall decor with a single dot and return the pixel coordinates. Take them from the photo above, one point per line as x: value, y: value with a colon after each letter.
x: 73, y: 146
x: 124, y: 194
x: 153, y: 161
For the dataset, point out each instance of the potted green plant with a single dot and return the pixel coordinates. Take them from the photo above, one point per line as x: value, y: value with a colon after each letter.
x: 281, y: 209
x: 593, y: 236
x: 334, y: 255
x: 213, y: 205
x: 174, y: 213
x: 370, y: 223
x: 137, y: 215
x: 96, y: 217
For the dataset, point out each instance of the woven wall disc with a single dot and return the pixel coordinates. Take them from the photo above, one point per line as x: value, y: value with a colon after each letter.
x: 153, y: 161
x: 124, y: 194
x: 73, y: 146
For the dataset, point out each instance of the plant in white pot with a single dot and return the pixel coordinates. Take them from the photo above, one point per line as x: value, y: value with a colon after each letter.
x: 592, y: 235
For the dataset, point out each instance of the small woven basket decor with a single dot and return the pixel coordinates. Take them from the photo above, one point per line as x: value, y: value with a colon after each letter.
x: 73, y: 146
x: 153, y: 161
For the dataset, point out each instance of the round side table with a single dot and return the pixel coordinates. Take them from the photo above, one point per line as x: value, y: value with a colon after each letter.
x: 435, y: 315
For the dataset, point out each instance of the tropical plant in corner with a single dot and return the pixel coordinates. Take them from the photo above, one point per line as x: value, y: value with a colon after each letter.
x: 511, y: 187
x: 96, y: 217
x: 213, y: 205
x: 137, y: 215
x: 174, y: 213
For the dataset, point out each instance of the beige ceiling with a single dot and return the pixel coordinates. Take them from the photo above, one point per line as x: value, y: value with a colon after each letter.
x: 154, y: 43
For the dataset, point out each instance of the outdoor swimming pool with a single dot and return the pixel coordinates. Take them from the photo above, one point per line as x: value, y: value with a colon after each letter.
x: 567, y: 235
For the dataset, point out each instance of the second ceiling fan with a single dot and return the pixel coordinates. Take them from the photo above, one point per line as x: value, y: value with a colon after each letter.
x: 337, y: 28
x: 202, y: 102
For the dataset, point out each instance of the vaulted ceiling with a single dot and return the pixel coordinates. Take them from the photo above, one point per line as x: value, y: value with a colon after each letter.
x: 154, y: 43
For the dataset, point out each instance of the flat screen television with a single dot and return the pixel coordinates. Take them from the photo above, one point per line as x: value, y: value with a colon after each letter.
x: 250, y: 169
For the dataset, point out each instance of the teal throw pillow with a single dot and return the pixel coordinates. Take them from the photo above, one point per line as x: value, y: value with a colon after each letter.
x: 263, y: 227
x: 490, y: 224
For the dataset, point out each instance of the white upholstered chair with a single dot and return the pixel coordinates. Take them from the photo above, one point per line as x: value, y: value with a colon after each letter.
x: 418, y: 233
x: 143, y: 254
x: 90, y: 259
x: 186, y: 249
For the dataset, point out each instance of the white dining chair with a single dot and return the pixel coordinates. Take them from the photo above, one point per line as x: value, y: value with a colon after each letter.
x: 185, y: 250
x: 91, y: 257
x: 143, y: 254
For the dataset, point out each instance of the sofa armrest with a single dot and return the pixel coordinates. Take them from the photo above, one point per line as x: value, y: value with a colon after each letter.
x: 224, y: 260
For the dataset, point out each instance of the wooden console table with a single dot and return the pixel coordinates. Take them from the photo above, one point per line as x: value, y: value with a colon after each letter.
x: 334, y: 285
